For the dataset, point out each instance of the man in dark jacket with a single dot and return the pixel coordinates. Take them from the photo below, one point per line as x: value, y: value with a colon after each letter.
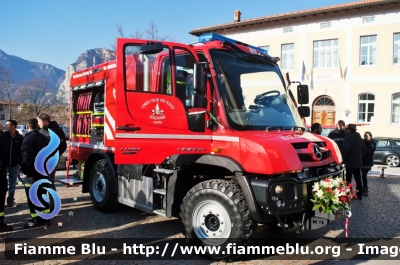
x: 12, y: 141
x: 3, y: 192
x: 32, y: 144
x: 45, y: 124
x: 338, y: 134
x: 316, y: 128
x: 353, y: 150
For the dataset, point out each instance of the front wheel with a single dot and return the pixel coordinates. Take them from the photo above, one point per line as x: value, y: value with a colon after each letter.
x: 392, y: 161
x: 102, y: 186
x: 215, y: 213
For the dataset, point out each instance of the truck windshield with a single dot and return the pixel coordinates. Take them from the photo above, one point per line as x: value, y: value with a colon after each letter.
x: 253, y: 92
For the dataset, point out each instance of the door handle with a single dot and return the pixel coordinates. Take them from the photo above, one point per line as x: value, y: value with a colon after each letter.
x: 127, y: 128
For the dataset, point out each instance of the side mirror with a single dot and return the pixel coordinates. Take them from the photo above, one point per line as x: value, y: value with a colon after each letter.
x: 151, y: 48
x: 302, y: 94
x: 199, y: 77
x: 304, y: 111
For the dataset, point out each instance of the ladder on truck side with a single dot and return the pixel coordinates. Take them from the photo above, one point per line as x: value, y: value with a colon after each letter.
x: 160, y: 193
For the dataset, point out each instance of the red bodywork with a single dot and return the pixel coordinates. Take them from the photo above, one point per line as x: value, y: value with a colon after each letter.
x: 263, y: 152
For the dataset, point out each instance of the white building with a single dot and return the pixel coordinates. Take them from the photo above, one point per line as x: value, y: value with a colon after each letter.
x: 351, y: 57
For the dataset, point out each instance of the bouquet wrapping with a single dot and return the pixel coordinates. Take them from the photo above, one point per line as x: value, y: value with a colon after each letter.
x: 332, y: 194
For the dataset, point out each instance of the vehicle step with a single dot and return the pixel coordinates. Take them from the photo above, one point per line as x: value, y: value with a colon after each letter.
x: 70, y: 181
x: 160, y: 212
x: 160, y: 191
x: 164, y: 170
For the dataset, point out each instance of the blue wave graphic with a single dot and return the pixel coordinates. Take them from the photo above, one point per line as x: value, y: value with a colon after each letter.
x: 45, y: 152
x: 35, y: 200
x: 52, y: 162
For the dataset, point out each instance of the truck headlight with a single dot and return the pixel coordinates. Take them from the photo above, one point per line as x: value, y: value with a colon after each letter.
x: 278, y: 189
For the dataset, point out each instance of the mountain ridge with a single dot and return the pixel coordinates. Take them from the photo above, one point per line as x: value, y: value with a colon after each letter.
x: 24, y: 70
x: 86, y: 59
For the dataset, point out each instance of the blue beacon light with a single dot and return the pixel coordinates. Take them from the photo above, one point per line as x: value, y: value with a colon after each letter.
x: 212, y: 36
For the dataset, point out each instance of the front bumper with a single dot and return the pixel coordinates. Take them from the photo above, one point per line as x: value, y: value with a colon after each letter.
x: 287, y: 198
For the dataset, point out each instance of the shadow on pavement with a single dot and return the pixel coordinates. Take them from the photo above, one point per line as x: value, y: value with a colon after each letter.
x: 376, y: 216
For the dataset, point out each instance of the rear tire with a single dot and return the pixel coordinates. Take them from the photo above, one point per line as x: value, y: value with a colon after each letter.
x: 392, y: 160
x: 102, y: 187
x: 215, y: 213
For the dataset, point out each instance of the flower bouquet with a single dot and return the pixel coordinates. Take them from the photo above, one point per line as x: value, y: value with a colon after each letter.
x: 332, y: 194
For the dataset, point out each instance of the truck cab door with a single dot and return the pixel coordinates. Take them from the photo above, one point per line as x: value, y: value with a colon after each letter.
x: 153, y: 101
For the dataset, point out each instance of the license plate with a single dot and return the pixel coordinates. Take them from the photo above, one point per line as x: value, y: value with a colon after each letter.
x: 317, y: 222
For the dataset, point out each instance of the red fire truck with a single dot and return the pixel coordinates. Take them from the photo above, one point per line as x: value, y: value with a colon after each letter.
x: 208, y: 132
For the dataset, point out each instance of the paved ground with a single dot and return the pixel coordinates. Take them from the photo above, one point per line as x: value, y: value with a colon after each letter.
x: 376, y: 216
x: 391, y: 171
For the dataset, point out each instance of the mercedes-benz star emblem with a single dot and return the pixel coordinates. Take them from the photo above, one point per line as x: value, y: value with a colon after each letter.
x: 317, y: 152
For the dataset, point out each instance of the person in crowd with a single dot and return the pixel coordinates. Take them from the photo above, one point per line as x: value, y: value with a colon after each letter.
x: 3, y: 192
x: 32, y: 144
x: 1, y: 128
x: 338, y: 134
x: 316, y: 128
x: 353, y: 151
x: 12, y: 141
x: 368, y: 160
x: 45, y: 124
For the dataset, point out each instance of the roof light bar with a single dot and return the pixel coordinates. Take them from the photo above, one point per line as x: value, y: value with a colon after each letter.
x: 212, y: 36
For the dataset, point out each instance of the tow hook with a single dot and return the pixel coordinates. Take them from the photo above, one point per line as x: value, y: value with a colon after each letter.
x: 298, y: 227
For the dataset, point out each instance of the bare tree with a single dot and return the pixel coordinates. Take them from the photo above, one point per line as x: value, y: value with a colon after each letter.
x: 60, y: 113
x: 8, y: 91
x: 150, y: 33
x: 121, y: 34
x: 37, y: 97
x: 138, y: 34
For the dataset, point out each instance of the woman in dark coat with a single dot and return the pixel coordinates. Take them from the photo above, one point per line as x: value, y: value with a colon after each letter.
x: 368, y: 160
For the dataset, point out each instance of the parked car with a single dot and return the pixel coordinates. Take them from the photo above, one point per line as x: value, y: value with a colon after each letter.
x: 66, y: 131
x: 387, y: 151
x: 21, y: 129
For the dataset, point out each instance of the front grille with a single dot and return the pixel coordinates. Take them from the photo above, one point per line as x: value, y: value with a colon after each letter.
x: 306, y: 158
x: 300, y: 145
x: 306, y: 155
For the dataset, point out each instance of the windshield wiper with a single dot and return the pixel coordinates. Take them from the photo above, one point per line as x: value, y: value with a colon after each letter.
x: 298, y: 128
x: 280, y: 128
x: 270, y: 128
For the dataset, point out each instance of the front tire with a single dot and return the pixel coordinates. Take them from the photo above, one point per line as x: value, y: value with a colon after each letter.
x: 102, y: 186
x: 215, y: 213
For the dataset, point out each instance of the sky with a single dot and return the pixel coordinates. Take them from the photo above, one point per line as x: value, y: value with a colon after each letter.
x: 58, y: 31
